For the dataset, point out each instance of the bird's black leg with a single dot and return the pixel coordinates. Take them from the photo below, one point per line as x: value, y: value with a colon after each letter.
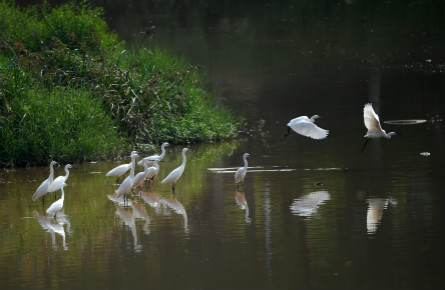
x: 364, y: 145
x: 288, y: 132
x: 55, y: 196
x: 43, y: 202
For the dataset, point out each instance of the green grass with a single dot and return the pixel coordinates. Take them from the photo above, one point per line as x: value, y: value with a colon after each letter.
x: 69, y: 90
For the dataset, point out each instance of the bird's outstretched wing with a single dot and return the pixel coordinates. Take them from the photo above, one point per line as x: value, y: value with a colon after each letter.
x: 309, y: 129
x: 371, y: 119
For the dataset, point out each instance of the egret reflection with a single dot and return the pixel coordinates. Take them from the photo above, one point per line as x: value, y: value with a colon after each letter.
x: 140, y: 212
x: 53, y: 227
x: 376, y: 207
x: 241, y: 201
x: 152, y: 199
x: 307, y: 206
x: 128, y: 219
x: 178, y: 208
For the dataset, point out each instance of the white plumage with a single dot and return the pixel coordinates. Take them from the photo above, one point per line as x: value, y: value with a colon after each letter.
x: 176, y: 173
x: 121, y: 169
x: 305, y: 126
x: 43, y: 188
x: 241, y: 172
x: 58, y: 204
x: 372, y: 123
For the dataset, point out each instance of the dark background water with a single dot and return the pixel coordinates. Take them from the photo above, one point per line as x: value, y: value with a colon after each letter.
x: 376, y: 222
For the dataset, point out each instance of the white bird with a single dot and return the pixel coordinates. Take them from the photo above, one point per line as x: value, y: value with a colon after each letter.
x: 176, y: 174
x: 58, y: 204
x: 43, y: 188
x: 59, y: 181
x: 127, y: 184
x: 306, y: 127
x: 372, y: 123
x: 152, y: 158
x: 241, y: 172
x: 147, y: 173
x: 121, y: 169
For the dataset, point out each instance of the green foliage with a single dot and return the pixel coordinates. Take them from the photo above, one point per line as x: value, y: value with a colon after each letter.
x: 68, y: 88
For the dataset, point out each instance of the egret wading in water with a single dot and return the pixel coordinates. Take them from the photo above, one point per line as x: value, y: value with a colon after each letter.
x: 152, y: 158
x: 141, y: 176
x: 59, y: 181
x: 306, y: 127
x: 372, y: 123
x: 43, y: 188
x: 241, y: 172
x: 127, y: 185
x: 121, y: 169
x: 57, y: 205
x: 176, y: 173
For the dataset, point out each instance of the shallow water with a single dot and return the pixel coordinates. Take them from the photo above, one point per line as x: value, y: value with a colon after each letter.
x: 312, y: 214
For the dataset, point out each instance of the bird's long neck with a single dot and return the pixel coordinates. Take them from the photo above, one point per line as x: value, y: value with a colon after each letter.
x: 67, y: 173
x: 245, y: 162
x: 63, y: 194
x: 145, y: 167
x: 51, y: 172
x: 132, y: 165
x: 162, y: 153
x: 183, y: 159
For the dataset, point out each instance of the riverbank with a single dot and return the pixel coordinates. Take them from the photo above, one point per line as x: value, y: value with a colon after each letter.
x: 72, y: 92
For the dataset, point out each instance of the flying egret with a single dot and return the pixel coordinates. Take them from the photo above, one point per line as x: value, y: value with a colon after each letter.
x: 155, y: 157
x: 121, y: 169
x: 176, y: 174
x: 372, y: 123
x: 43, y: 188
x: 241, y: 172
x: 58, y: 204
x: 57, y: 183
x: 127, y: 184
x: 306, y: 127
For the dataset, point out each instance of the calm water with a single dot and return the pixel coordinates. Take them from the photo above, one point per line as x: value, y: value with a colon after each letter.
x: 312, y: 214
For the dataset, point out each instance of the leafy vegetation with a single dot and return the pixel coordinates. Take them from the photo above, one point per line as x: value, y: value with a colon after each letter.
x: 70, y: 91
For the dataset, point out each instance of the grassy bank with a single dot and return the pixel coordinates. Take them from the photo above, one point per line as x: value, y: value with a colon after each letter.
x: 71, y: 91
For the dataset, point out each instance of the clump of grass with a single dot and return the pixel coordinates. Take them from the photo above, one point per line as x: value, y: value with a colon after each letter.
x: 66, y: 55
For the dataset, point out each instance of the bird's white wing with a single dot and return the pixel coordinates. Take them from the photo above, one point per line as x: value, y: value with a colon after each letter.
x: 297, y: 120
x: 173, y: 176
x: 125, y: 186
x: 239, y: 174
x: 41, y: 190
x: 57, y: 184
x: 119, y: 170
x: 309, y: 129
x: 371, y: 119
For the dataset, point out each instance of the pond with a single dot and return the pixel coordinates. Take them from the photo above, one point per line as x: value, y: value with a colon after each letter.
x: 311, y: 214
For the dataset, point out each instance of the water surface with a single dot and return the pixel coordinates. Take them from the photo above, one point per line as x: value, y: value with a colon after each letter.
x: 312, y: 214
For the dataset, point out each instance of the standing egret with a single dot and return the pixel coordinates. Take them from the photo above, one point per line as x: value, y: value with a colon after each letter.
x: 141, y: 176
x: 43, y: 188
x: 176, y: 174
x: 306, y: 127
x: 57, y: 205
x: 127, y: 184
x: 152, y: 158
x: 121, y: 169
x: 59, y: 181
x: 152, y: 171
x: 372, y: 123
x: 241, y: 172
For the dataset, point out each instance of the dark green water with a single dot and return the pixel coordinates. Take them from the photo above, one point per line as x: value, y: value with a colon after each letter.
x: 312, y: 214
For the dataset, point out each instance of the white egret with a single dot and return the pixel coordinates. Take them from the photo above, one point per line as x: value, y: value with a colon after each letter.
x: 153, y: 171
x: 59, y: 181
x: 241, y: 172
x: 372, y: 123
x: 58, y: 204
x: 43, y: 188
x: 121, y: 169
x: 306, y: 127
x: 141, y: 176
x: 176, y: 174
x: 127, y: 184
x: 152, y: 158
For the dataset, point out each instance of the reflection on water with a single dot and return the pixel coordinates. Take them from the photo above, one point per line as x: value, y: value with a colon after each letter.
x: 128, y: 219
x: 140, y: 212
x: 54, y: 226
x: 178, y: 208
x: 376, y: 207
x: 308, y: 205
x: 152, y: 199
x: 241, y: 201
